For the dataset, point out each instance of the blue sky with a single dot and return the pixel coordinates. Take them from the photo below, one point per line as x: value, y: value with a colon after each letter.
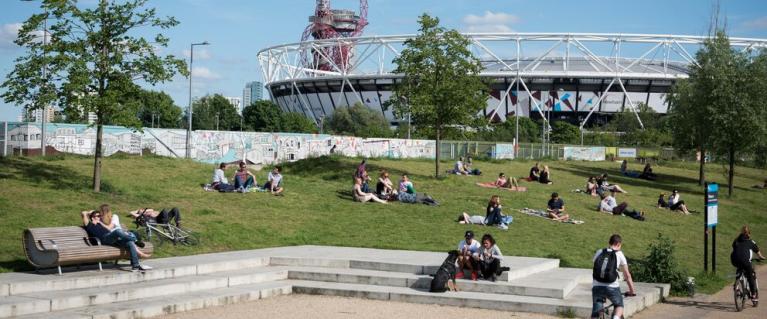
x: 238, y: 29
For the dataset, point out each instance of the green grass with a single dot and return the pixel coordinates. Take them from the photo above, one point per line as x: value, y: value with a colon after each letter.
x: 317, y: 208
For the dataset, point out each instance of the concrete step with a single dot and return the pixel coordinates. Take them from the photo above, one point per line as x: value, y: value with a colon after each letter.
x: 164, y: 305
x: 555, y: 283
x: 89, y: 276
x: 579, y: 302
x: 51, y: 301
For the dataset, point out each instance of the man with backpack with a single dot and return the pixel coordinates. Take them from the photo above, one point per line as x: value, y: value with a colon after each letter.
x: 606, y: 284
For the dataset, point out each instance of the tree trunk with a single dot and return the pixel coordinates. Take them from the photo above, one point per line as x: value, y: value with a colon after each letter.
x: 436, y: 154
x: 731, y: 173
x: 97, y: 162
x: 701, y: 173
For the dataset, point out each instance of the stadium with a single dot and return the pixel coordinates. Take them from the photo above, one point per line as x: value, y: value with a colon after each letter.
x: 579, y: 77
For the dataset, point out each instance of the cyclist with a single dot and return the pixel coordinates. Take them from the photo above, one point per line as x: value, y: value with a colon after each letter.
x: 743, y: 249
x: 601, y: 289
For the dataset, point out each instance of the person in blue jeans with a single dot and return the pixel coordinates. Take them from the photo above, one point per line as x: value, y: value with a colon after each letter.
x: 117, y: 237
x: 611, y: 290
x: 243, y: 178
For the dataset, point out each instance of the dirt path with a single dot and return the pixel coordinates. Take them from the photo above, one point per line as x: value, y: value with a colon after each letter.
x: 719, y: 305
x: 309, y: 306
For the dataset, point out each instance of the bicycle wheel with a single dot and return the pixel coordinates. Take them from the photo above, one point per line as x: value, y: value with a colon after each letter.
x: 157, y: 237
x: 739, y: 294
x: 187, y: 237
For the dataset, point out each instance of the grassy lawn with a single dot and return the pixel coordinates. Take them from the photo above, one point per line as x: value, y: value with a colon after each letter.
x: 317, y: 208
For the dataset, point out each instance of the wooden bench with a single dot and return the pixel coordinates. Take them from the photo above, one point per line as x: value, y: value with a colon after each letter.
x: 61, y: 246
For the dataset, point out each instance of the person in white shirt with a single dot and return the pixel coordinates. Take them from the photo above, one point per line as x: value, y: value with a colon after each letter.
x: 274, y: 181
x: 219, y: 177
x: 468, y: 249
x: 459, y: 169
x: 611, y: 290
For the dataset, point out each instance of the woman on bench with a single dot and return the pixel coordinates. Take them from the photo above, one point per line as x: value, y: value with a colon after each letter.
x: 117, y: 237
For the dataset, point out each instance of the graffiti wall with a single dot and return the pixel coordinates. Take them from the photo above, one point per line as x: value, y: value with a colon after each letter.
x: 584, y: 153
x: 211, y: 146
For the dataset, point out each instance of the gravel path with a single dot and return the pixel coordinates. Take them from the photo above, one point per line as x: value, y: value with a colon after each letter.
x: 311, y: 306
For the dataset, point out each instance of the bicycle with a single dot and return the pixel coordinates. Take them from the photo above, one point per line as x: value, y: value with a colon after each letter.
x: 741, y: 290
x: 159, y: 233
x: 604, y: 313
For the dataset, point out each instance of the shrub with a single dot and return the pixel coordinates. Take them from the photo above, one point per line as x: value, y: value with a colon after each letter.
x: 660, y: 266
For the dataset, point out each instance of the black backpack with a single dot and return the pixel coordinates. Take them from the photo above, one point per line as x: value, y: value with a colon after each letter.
x: 606, y: 267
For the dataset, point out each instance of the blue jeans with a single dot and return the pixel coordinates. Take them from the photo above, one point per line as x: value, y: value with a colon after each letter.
x: 598, y: 295
x: 121, y: 238
x: 493, y: 217
x: 246, y: 184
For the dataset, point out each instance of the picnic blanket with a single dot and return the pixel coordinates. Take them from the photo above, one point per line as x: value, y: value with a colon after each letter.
x: 544, y: 214
x: 492, y: 185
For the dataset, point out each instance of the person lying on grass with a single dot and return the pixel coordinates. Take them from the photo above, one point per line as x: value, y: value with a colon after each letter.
x: 504, y: 182
x: 608, y: 204
x: 607, y: 187
x: 360, y: 196
x: 465, y: 218
x: 556, y: 208
x: 761, y: 186
x: 165, y: 216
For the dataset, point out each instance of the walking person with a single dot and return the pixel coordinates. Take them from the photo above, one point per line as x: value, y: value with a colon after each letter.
x: 608, y: 262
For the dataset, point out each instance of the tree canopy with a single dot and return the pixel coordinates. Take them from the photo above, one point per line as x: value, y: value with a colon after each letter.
x: 93, y: 62
x: 441, y: 87
x: 157, y: 109
x: 358, y: 120
x: 214, y: 112
x: 265, y: 116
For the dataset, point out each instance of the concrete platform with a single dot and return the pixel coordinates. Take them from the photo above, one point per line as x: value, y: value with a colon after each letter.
x: 194, y: 282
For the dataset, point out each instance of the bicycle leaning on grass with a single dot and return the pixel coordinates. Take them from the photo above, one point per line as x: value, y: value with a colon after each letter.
x: 604, y: 313
x: 742, y: 290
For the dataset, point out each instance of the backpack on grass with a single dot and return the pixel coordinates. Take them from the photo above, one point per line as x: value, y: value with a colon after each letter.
x: 606, y: 267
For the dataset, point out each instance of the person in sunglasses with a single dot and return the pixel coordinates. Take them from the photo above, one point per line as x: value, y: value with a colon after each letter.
x: 117, y: 237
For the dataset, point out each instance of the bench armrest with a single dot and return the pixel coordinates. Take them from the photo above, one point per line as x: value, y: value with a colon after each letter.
x: 53, y: 243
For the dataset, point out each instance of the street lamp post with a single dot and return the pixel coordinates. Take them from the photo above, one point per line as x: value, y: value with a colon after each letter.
x: 189, y: 109
x: 45, y: 71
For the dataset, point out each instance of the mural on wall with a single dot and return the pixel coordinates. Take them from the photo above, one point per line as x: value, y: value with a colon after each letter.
x: 504, y: 151
x: 212, y: 146
x: 584, y: 153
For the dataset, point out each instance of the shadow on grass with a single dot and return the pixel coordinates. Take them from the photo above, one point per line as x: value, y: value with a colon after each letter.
x: 335, y: 168
x: 614, y: 175
x: 53, y: 176
x: 16, y: 265
x: 345, y: 195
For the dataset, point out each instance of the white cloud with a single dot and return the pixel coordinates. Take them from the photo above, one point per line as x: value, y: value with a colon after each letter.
x: 490, y: 22
x: 759, y: 23
x: 203, y: 73
x: 201, y: 54
x: 8, y: 33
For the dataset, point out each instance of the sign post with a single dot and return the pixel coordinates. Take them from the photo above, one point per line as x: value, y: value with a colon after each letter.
x: 712, y: 218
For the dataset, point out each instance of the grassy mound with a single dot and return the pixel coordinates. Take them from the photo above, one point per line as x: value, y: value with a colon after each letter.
x: 317, y: 208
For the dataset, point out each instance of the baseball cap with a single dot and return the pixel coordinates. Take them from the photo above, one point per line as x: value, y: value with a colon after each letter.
x: 469, y: 234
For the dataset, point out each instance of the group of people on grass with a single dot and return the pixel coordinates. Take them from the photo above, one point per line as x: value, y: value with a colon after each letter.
x: 244, y: 180
x: 541, y: 175
x: 645, y: 174
x: 462, y: 167
x: 385, y: 190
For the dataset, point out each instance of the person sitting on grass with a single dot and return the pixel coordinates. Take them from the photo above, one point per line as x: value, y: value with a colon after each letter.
x: 506, y: 182
x: 385, y: 187
x: 361, y: 196
x: 459, y: 168
x: 545, y: 177
x: 489, y: 259
x: 165, y: 216
x: 218, y: 177
x: 535, y: 173
x: 362, y: 173
x: 406, y: 192
x: 556, y: 208
x: 97, y: 229
x: 608, y: 204
x: 607, y: 187
x: 647, y: 173
x: 591, y: 186
x: 243, y: 178
x: 274, y: 182
x: 761, y: 186
x: 625, y: 170
x: 467, y: 250
x: 675, y: 203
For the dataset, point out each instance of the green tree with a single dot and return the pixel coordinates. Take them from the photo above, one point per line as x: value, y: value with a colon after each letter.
x: 441, y: 87
x: 157, y: 109
x: 214, y: 112
x: 296, y: 123
x: 263, y: 116
x: 358, y: 120
x: 92, y: 59
x: 565, y: 133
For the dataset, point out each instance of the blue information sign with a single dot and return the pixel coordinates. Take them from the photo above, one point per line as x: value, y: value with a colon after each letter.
x: 712, y: 204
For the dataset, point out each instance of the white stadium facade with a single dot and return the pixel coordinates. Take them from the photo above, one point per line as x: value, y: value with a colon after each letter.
x: 579, y: 77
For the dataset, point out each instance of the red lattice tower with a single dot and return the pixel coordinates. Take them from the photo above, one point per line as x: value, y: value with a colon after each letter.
x: 329, y: 24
